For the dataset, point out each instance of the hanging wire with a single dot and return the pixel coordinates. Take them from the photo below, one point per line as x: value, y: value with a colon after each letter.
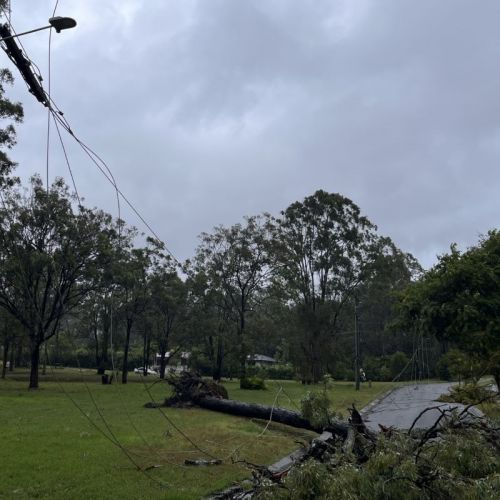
x: 121, y: 398
x: 67, y: 161
x: 94, y: 157
x: 59, y: 118
x: 49, y: 70
x: 111, y: 437
x: 111, y: 179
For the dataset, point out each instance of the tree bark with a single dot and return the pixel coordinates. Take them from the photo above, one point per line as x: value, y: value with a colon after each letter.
x: 145, y: 353
x: 279, y: 415
x: 97, y: 357
x: 35, y: 362
x: 19, y: 357
x: 217, y: 373
x: 163, y: 363
x: 106, y: 326
x: 243, y: 353
x: 148, y: 352
x: 125, y: 353
x: 6, y: 346
x: 45, y: 359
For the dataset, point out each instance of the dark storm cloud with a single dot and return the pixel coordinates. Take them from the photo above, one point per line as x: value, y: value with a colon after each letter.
x: 210, y: 110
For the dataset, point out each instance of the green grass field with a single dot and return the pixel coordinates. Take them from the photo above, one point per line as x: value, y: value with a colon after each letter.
x: 51, y: 449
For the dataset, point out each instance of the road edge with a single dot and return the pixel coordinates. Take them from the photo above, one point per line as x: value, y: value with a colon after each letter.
x: 367, y: 409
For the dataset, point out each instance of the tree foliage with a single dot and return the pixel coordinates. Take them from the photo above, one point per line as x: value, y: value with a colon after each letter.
x: 323, y: 246
x: 237, y: 265
x: 458, y: 301
x: 11, y: 111
x: 51, y: 258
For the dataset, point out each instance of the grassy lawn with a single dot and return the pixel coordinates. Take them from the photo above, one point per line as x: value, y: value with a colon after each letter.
x: 50, y: 449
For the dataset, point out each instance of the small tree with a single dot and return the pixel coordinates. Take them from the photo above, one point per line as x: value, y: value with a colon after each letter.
x: 50, y: 257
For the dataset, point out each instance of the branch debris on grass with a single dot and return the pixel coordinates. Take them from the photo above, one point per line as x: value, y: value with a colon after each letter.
x: 458, y: 457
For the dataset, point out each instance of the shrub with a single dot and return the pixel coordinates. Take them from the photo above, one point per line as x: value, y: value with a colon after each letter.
x: 467, y: 394
x: 385, y: 374
x: 342, y: 371
x: 372, y: 368
x: 280, y: 372
x: 315, y: 407
x: 461, y: 366
x: 277, y: 372
x: 398, y: 362
x: 252, y: 383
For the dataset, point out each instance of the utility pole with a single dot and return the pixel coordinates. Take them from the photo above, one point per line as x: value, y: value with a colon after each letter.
x: 356, y: 344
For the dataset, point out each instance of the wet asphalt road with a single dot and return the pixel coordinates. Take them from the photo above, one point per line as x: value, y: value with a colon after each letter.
x: 402, y: 406
x: 398, y: 409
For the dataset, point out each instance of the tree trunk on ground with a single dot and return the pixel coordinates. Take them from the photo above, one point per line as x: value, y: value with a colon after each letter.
x: 279, y: 415
x: 5, y: 357
x: 35, y: 362
x: 189, y: 388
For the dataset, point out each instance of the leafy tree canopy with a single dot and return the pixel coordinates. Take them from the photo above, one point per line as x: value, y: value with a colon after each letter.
x: 458, y: 300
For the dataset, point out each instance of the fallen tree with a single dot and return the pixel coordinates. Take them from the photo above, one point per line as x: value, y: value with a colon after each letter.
x: 190, y: 389
x: 456, y: 457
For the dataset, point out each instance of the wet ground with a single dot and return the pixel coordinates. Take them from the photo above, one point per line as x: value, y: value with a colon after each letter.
x: 402, y: 406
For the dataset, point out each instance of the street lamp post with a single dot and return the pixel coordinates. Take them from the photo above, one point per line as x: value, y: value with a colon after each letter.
x: 58, y: 23
x: 16, y: 55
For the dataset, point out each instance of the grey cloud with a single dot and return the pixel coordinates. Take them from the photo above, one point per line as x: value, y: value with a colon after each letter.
x: 207, y: 111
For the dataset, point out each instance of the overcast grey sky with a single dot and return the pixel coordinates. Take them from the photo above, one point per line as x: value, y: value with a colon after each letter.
x: 210, y: 110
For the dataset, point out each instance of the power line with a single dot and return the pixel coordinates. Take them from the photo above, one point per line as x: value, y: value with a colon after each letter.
x: 58, y: 116
x: 67, y: 161
x: 23, y: 62
x: 106, y: 171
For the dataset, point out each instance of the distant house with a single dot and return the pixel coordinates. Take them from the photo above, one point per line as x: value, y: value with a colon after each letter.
x: 261, y: 360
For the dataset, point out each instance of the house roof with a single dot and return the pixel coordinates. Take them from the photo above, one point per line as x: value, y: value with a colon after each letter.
x: 261, y: 357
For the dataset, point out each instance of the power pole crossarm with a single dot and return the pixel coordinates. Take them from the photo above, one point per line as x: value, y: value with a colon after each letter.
x: 23, y: 65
